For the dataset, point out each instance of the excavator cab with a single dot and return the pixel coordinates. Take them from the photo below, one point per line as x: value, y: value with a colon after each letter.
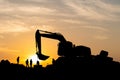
x: 65, y: 49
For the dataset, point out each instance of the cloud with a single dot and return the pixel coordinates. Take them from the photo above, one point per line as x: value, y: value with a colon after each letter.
x: 45, y: 12
x: 96, y: 28
x: 94, y: 10
x: 95, y: 32
x: 47, y: 4
x: 86, y: 9
x: 13, y: 29
x: 101, y: 37
x: 99, y: 33
x: 112, y: 2
x: 43, y: 27
x: 10, y: 26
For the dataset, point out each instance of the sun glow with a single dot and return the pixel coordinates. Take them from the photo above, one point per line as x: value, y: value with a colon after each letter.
x: 43, y: 63
x: 34, y: 58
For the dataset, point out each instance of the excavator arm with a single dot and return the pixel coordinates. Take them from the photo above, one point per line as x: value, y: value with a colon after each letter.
x: 38, y: 46
x: 41, y: 33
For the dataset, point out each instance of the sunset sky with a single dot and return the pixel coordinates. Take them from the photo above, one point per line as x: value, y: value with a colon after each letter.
x: 93, y: 23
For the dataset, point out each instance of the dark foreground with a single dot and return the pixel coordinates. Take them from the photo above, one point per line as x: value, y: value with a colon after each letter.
x: 75, y: 68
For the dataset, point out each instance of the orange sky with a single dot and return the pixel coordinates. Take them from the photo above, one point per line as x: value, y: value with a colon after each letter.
x: 84, y: 22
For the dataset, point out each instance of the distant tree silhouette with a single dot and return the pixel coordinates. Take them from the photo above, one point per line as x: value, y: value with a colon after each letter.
x: 5, y: 61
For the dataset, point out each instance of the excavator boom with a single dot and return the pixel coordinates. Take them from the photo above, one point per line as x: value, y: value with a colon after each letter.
x: 52, y: 35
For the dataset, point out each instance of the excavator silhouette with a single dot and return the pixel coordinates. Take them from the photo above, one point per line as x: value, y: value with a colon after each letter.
x: 65, y: 48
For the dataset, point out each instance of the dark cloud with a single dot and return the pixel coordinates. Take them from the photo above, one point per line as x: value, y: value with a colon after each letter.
x: 113, y: 2
x: 20, y: 2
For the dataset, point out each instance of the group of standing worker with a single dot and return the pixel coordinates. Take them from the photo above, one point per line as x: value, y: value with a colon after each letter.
x: 28, y: 64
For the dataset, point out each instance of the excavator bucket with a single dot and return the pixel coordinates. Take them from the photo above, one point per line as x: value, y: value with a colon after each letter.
x: 41, y: 56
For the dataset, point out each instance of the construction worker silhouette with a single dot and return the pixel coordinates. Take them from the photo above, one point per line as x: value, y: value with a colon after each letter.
x: 18, y: 58
x: 38, y: 63
x: 27, y: 63
x: 31, y: 62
